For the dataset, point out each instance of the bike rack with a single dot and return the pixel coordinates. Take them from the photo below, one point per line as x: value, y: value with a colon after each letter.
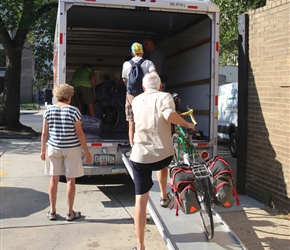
x: 200, y: 171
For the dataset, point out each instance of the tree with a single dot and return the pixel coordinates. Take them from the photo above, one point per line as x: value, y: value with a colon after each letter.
x: 229, y: 12
x: 18, y: 20
x: 41, y: 41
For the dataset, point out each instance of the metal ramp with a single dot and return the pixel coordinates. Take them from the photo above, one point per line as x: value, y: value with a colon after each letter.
x: 185, y: 232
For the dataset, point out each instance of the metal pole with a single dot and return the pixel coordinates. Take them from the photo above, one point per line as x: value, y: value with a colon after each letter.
x: 243, y: 22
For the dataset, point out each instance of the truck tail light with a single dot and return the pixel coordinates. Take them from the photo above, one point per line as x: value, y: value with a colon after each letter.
x: 204, y: 155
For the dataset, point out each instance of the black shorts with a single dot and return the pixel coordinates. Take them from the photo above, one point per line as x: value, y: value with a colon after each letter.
x: 143, y: 174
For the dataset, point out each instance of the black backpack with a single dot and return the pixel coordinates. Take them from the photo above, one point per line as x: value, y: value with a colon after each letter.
x: 134, y: 84
x: 182, y: 185
x: 222, y: 180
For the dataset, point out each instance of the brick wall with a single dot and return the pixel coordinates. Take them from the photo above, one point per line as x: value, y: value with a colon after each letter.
x: 268, y: 145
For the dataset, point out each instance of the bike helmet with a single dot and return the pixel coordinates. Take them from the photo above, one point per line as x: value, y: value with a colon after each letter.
x: 176, y: 100
x: 174, y: 95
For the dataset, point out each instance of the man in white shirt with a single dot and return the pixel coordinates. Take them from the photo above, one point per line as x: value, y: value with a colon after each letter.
x: 154, y: 111
x: 147, y: 66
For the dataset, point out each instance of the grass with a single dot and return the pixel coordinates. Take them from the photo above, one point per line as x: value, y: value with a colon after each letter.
x: 27, y: 106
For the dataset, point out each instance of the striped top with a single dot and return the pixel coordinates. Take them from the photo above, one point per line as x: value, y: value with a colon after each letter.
x: 62, y: 133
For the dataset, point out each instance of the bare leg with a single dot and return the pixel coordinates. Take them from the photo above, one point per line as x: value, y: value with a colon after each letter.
x: 91, y: 109
x: 131, y: 132
x: 70, y: 193
x: 162, y: 176
x: 52, y: 191
x: 140, y: 218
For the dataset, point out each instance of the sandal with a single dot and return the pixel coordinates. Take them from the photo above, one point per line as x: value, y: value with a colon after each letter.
x: 164, y: 202
x: 51, y: 215
x: 73, y: 216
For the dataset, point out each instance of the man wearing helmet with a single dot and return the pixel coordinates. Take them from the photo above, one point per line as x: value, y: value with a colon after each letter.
x: 177, y: 101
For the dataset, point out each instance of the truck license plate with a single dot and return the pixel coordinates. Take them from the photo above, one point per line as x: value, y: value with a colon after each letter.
x: 103, y: 159
x: 119, y: 171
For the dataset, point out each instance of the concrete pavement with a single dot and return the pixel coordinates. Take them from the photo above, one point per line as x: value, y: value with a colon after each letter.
x: 105, y: 225
x: 107, y: 216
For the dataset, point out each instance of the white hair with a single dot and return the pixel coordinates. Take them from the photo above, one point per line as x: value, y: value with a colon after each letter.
x: 151, y: 81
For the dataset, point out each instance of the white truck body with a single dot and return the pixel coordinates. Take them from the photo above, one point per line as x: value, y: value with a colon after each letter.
x: 100, y: 32
x: 228, y: 106
x: 228, y: 109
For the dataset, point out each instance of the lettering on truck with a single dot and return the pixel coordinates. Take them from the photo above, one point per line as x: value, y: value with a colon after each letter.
x: 175, y: 4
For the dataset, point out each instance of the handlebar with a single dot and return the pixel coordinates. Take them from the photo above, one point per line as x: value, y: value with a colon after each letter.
x: 190, y: 113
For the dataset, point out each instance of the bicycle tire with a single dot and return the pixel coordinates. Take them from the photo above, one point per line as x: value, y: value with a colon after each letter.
x: 205, y: 210
x: 109, y: 113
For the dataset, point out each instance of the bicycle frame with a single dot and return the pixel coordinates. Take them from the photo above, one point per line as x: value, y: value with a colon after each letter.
x: 187, y: 147
x: 190, y: 156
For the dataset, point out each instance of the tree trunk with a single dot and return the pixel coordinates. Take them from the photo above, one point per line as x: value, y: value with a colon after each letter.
x: 11, y: 95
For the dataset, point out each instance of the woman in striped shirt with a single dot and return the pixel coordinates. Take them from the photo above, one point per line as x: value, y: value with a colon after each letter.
x: 62, y: 140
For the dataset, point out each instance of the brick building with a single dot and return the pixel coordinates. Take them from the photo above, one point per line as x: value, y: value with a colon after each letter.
x: 268, y: 120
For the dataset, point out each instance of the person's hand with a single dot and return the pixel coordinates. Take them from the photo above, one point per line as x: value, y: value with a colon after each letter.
x: 89, y: 158
x: 190, y: 126
x: 42, y: 156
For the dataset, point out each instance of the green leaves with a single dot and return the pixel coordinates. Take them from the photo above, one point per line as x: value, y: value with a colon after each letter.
x: 41, y: 39
x: 229, y: 12
x: 33, y: 20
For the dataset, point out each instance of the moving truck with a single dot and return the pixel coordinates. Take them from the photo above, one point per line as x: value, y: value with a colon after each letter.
x: 101, y: 32
x: 228, y: 106
x: 228, y: 114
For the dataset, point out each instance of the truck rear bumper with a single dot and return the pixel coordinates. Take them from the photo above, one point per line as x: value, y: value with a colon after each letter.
x: 105, y: 170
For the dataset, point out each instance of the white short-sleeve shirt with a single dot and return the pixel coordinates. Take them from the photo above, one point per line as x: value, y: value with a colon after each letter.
x: 152, y: 137
x: 147, y: 67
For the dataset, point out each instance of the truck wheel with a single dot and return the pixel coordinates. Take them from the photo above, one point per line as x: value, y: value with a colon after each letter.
x: 233, y: 145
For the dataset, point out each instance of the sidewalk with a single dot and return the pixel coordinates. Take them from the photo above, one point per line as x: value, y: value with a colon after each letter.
x: 256, y: 225
x: 259, y: 228
x: 107, y: 206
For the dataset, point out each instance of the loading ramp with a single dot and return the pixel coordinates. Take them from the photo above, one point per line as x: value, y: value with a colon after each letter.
x: 185, y: 232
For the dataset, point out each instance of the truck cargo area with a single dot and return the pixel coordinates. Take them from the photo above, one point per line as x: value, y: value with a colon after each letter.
x: 101, y: 33
x: 103, y: 37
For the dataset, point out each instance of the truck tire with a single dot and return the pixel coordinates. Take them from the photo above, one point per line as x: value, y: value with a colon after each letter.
x: 233, y: 145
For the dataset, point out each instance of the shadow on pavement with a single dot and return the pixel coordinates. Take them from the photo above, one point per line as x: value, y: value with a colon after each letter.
x: 258, y: 229
x: 21, y: 202
x: 102, y: 180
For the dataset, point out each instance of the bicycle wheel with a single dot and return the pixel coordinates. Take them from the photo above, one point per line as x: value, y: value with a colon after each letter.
x: 205, y: 204
x: 108, y: 112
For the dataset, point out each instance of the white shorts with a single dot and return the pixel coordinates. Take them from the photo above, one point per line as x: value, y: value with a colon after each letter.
x: 66, y: 162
